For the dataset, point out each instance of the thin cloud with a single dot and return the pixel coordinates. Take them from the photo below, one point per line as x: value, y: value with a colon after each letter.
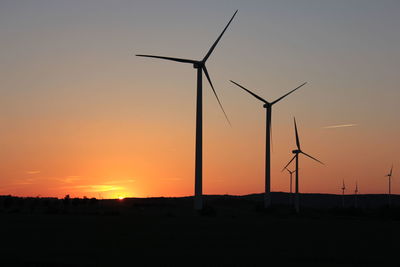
x: 67, y: 179
x: 96, y: 188
x: 27, y: 181
x: 120, y: 181
x: 32, y: 172
x: 71, y: 179
x: 340, y: 126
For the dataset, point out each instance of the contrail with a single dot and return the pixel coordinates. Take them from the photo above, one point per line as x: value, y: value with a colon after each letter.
x: 339, y: 126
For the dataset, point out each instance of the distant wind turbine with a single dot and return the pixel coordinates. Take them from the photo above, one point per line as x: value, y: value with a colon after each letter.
x: 296, y: 153
x: 268, y: 107
x: 200, y: 65
x: 291, y: 174
x: 355, y: 196
x: 343, y: 189
x: 390, y: 182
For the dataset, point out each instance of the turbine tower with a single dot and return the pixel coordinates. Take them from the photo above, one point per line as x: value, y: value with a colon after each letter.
x: 390, y: 184
x: 200, y: 65
x: 268, y: 108
x: 343, y: 189
x: 296, y: 153
x: 355, y: 196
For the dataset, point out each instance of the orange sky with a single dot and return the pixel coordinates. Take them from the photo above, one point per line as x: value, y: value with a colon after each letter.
x: 81, y: 115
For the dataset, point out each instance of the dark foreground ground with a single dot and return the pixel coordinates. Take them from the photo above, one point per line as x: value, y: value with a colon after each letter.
x: 232, y: 231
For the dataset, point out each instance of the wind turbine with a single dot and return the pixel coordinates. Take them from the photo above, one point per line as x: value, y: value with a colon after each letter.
x: 268, y: 108
x: 291, y: 174
x: 296, y: 153
x: 390, y: 181
x: 200, y: 65
x: 343, y: 189
x: 355, y: 195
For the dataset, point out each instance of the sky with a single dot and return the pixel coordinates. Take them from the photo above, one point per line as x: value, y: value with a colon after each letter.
x: 81, y: 115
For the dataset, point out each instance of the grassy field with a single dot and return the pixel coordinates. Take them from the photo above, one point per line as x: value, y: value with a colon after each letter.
x: 166, y: 232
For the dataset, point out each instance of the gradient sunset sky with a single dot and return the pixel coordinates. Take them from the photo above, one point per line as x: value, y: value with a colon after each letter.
x: 81, y: 115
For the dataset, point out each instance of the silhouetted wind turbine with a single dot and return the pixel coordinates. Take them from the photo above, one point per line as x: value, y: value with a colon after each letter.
x: 343, y: 189
x: 355, y: 195
x: 291, y: 174
x: 390, y: 182
x: 268, y: 107
x: 200, y: 65
x: 296, y: 153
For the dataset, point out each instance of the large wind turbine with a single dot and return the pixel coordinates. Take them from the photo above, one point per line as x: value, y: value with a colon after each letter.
x: 296, y: 153
x: 200, y: 65
x: 268, y: 108
x: 390, y: 184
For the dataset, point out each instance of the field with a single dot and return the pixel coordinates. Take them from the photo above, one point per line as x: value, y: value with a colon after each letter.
x: 232, y: 231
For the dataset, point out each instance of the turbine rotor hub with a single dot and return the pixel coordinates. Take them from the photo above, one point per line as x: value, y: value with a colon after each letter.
x: 198, y: 65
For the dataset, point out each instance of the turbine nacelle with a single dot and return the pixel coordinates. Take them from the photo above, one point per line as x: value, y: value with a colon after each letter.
x: 296, y: 151
x: 198, y: 65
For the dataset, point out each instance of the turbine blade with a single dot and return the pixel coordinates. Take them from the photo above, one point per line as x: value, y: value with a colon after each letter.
x: 289, y: 163
x: 282, y: 97
x: 250, y: 92
x: 219, y: 38
x: 391, y: 169
x: 182, y: 60
x: 215, y: 93
x: 297, y: 135
x: 312, y: 157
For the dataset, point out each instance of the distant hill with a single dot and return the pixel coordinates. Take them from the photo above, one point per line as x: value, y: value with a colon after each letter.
x: 318, y: 201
